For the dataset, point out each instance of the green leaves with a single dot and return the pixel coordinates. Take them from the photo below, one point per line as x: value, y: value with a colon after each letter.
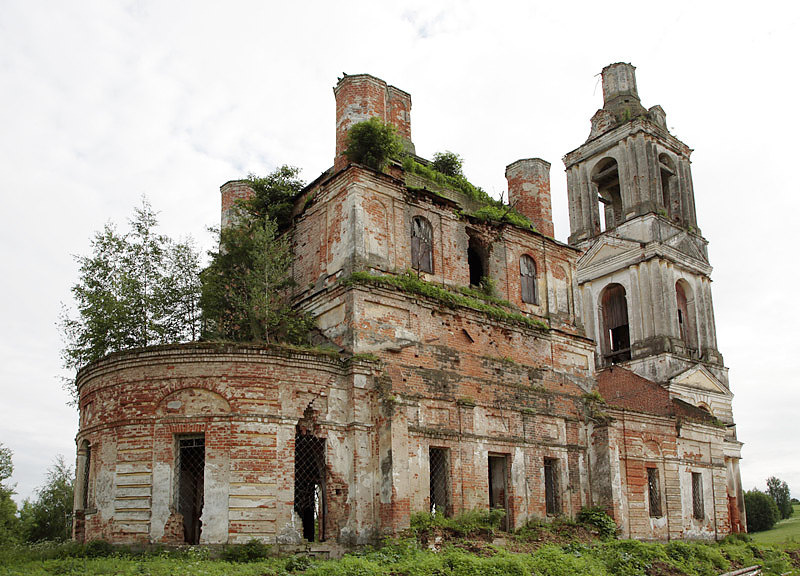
x: 448, y: 163
x: 373, y: 142
x: 136, y: 289
x: 49, y: 515
x: 244, y: 289
x: 273, y: 196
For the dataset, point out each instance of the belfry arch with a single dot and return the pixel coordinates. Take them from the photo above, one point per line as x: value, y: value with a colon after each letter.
x: 615, y: 338
x: 605, y: 178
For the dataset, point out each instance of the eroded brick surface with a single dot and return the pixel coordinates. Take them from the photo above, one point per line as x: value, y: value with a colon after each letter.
x: 511, y: 410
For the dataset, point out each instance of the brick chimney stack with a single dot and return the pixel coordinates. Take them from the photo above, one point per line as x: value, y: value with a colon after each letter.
x: 529, y: 192
x: 231, y: 192
x: 359, y: 97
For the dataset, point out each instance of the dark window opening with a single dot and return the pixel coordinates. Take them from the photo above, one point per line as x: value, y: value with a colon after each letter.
x: 654, y: 492
x: 309, y: 484
x: 686, y: 329
x: 191, y: 470
x: 615, y: 321
x: 421, y: 245
x: 440, y: 481
x: 527, y: 279
x: 698, y: 507
x: 609, y: 194
x: 552, y: 497
x: 87, y: 466
x: 476, y: 259
x: 498, y: 496
x: 669, y: 195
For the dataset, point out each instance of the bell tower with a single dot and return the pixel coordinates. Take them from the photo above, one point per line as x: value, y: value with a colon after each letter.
x: 644, y: 275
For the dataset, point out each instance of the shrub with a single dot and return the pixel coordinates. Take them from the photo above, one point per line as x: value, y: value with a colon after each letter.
x: 762, y: 512
x: 597, y: 518
x: 251, y: 551
x: 373, y: 143
x: 468, y: 523
x: 98, y: 549
x: 447, y: 163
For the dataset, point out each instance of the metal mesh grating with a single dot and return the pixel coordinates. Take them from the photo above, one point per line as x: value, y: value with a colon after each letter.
x: 654, y: 492
x: 440, y: 481
x: 191, y: 466
x: 698, y: 509
x: 309, y: 484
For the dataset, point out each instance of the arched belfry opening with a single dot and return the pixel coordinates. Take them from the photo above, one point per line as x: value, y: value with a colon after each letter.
x: 605, y: 177
x: 670, y: 198
x: 687, y: 327
x: 616, y: 338
x: 309, y: 477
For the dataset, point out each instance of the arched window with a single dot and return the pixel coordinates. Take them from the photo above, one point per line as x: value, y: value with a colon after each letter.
x: 686, y: 325
x: 421, y: 245
x: 527, y: 279
x: 616, y: 332
x: 606, y: 177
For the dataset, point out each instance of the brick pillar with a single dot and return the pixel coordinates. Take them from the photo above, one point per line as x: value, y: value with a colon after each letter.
x: 231, y: 192
x: 360, y: 97
x: 529, y: 192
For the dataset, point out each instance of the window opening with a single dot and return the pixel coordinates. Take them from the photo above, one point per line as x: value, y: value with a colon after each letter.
x: 309, y: 483
x: 191, y: 469
x: 609, y: 196
x: 698, y: 508
x: 87, y: 466
x: 552, y: 497
x: 421, y: 245
x: 476, y: 259
x: 654, y: 492
x: 440, y: 481
x: 527, y: 279
x: 668, y: 180
x: 615, y: 319
x: 686, y: 329
x: 498, y: 497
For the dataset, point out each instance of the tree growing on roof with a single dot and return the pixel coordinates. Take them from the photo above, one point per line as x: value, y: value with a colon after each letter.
x: 138, y: 288
x: 244, y: 289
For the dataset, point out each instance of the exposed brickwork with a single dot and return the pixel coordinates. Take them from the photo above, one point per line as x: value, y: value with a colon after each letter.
x: 416, y: 372
x: 529, y: 192
x: 232, y: 192
x: 360, y: 97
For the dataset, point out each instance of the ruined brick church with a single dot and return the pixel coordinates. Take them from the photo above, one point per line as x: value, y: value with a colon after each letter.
x: 591, y: 377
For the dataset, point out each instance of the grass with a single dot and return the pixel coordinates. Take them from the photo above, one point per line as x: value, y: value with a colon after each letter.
x: 468, y: 298
x: 785, y: 531
x: 559, y: 548
x: 491, y: 210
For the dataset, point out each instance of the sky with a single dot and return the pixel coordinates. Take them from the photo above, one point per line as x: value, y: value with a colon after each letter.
x: 104, y: 102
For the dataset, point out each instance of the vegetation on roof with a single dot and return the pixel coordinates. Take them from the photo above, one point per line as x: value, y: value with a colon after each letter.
x: 492, y: 210
x: 372, y: 143
x: 411, y: 284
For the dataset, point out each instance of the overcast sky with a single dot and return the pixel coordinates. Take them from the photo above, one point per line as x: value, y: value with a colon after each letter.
x: 102, y: 102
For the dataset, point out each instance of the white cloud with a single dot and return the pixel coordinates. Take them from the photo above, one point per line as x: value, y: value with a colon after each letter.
x: 101, y: 102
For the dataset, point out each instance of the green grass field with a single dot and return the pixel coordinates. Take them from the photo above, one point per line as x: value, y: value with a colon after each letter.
x: 784, y: 531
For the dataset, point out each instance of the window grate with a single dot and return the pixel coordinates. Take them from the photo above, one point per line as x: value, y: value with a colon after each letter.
x: 440, y: 481
x: 309, y: 484
x: 654, y: 492
x: 191, y: 470
x: 698, y: 507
